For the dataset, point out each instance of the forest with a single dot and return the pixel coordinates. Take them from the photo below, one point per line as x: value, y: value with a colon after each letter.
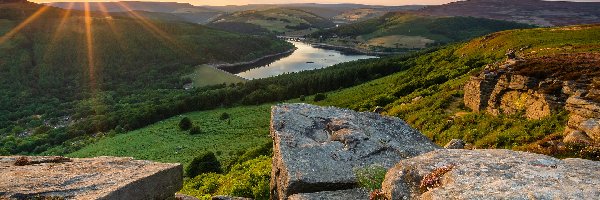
x: 62, y: 70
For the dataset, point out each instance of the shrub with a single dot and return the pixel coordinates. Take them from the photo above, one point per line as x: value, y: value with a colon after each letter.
x: 195, y: 130
x: 248, y: 179
x: 204, y: 163
x: 319, y: 97
x: 185, y: 124
x: 224, y: 116
x: 302, y: 98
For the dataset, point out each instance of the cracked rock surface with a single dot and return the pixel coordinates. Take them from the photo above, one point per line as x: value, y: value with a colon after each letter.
x: 317, y: 149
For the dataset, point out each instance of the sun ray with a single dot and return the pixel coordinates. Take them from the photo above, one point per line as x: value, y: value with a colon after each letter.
x: 153, y: 29
x: 90, y: 46
x: 23, y: 24
x: 111, y: 24
x: 63, y: 21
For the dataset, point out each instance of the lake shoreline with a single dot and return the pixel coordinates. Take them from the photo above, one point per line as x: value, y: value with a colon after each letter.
x: 306, y: 57
x: 352, y: 50
x: 233, y: 67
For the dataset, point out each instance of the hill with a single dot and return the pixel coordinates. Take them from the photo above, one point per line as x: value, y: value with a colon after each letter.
x: 66, y: 74
x: 365, y: 13
x: 404, y: 32
x: 342, y: 13
x: 536, y: 12
x: 277, y: 20
x: 429, y: 96
x: 424, y: 89
x: 158, y: 10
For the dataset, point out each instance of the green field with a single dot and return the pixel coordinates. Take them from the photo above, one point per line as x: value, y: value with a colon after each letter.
x: 205, y: 75
x: 164, y: 142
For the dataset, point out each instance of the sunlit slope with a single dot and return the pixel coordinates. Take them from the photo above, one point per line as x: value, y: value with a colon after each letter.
x: 429, y: 95
x: 51, y: 58
x: 412, y: 31
x: 205, y: 75
x: 277, y: 20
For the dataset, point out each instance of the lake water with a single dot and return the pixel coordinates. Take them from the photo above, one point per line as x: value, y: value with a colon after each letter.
x: 304, y: 58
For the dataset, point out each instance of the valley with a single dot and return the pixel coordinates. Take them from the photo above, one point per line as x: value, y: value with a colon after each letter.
x: 231, y: 92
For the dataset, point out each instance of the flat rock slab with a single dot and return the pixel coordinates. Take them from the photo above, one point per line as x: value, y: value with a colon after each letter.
x: 319, y: 148
x: 492, y: 174
x: 88, y: 178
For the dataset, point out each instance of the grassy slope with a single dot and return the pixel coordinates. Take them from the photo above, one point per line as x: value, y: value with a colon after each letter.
x: 437, y: 79
x: 163, y: 141
x: 205, y: 75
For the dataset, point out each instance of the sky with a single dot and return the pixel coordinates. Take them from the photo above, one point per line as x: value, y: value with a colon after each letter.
x: 243, y: 2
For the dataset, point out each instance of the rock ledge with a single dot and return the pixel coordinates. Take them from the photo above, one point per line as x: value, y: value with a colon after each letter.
x: 88, y: 178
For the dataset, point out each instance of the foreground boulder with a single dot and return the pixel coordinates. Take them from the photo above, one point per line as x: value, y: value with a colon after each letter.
x: 87, y: 178
x: 492, y: 174
x: 318, y: 148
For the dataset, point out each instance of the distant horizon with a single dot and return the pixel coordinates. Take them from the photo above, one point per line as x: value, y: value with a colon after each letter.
x: 251, y: 2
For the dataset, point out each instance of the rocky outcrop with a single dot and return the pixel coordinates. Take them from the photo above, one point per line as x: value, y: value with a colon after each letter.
x: 541, y: 87
x: 492, y: 174
x: 501, y: 91
x: 584, y: 117
x: 317, y: 149
x: 87, y: 178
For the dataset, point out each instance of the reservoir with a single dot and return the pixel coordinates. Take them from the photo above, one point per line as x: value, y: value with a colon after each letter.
x: 306, y: 57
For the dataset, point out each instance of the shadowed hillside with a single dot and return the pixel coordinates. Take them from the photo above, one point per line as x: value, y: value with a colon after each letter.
x: 56, y: 65
x: 404, y: 32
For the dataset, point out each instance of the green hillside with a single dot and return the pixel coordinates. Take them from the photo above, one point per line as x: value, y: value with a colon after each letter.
x: 429, y: 95
x: 276, y: 21
x: 403, y: 31
x: 426, y: 91
x: 166, y: 142
x: 64, y: 75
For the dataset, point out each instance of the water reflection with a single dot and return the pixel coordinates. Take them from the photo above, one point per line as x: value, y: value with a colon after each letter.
x: 304, y: 58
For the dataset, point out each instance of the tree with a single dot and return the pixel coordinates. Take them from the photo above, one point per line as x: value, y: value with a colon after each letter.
x: 204, y: 163
x: 195, y: 130
x: 185, y: 124
x: 224, y: 116
x: 319, y: 97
